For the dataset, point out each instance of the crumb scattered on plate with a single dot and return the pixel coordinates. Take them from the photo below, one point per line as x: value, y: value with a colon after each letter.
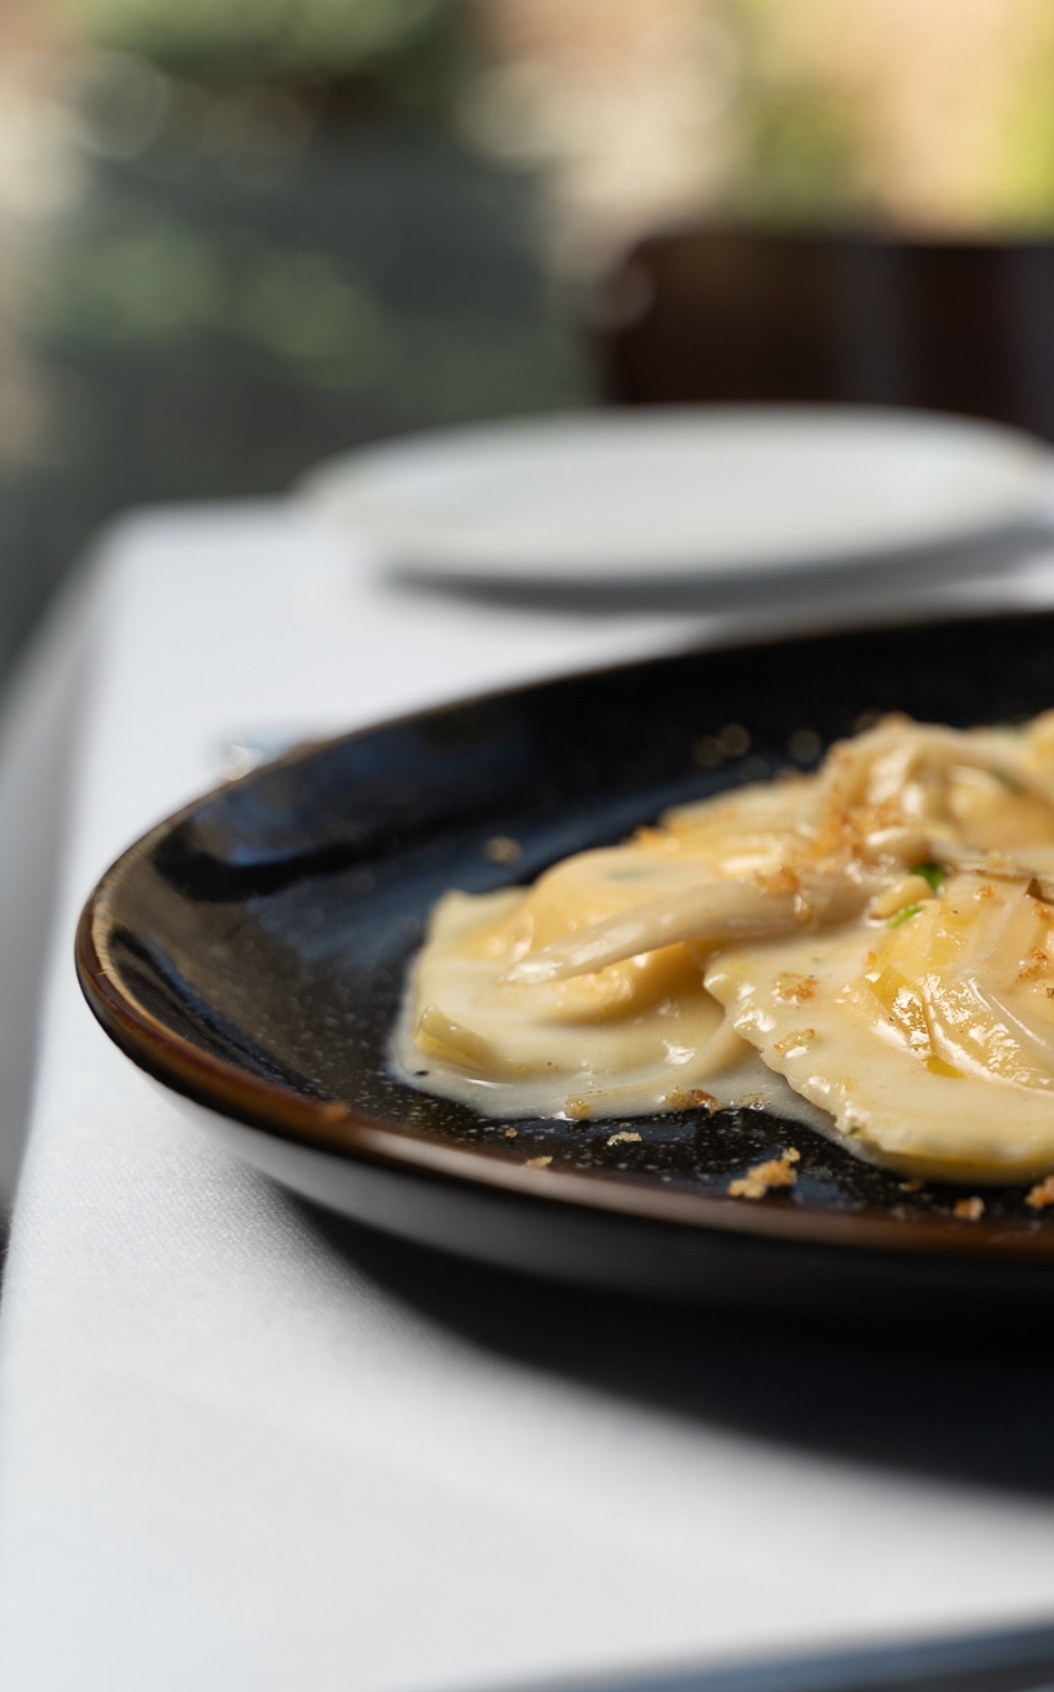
x: 776, y: 1172
x: 969, y: 1209
x: 1041, y: 1194
x: 501, y: 849
x: 691, y: 1098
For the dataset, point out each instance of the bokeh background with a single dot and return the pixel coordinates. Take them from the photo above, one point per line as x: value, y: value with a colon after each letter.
x: 238, y: 235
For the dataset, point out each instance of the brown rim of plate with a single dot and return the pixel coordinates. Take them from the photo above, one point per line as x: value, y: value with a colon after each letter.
x: 339, y: 1129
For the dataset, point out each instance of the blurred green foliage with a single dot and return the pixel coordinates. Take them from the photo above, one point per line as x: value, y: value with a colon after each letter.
x: 415, y: 46
x: 203, y: 334
x: 800, y: 152
x: 1026, y: 167
x: 799, y: 158
x: 159, y: 283
x: 280, y: 250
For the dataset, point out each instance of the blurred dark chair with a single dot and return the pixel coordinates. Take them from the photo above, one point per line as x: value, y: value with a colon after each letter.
x: 708, y: 314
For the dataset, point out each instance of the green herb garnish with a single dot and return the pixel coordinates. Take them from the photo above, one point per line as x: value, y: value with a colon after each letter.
x: 931, y: 873
x: 1005, y: 779
x: 902, y: 916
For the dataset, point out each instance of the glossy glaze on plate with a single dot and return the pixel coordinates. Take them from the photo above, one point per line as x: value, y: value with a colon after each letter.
x: 250, y: 953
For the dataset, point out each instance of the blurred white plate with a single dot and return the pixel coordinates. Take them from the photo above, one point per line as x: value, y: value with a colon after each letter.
x: 685, y: 493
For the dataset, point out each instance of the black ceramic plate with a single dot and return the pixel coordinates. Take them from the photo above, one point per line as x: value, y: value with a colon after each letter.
x: 250, y: 954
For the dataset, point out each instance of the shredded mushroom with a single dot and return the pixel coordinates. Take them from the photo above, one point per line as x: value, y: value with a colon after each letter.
x: 713, y: 913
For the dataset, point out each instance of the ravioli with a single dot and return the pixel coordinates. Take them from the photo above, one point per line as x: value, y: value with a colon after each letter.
x: 869, y: 949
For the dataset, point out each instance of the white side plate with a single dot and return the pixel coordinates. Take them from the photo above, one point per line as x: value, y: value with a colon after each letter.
x: 685, y: 493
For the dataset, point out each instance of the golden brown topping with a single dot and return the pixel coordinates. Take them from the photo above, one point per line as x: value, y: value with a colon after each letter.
x: 798, y: 1041
x: 969, y: 1209
x: 579, y: 1110
x: 804, y: 745
x: 691, y: 1098
x: 1034, y: 963
x: 623, y: 1138
x: 795, y: 989
x: 1041, y: 1194
x: 708, y: 751
x: 784, y: 880
x: 776, y: 1172
x: 538, y: 1163
x: 500, y: 849
x: 734, y: 740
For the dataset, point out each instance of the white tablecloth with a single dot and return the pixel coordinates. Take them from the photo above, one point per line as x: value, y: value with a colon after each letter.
x: 242, y: 1446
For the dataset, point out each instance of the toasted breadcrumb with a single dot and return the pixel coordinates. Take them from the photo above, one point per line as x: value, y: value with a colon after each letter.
x: 1034, y: 963
x: 783, y: 880
x: 969, y: 1209
x: 500, y: 849
x: 691, y: 1098
x: 538, y: 1163
x: 1041, y: 1194
x: 734, y: 740
x: 510, y: 1133
x: 623, y: 1138
x: 776, y: 1172
x: 795, y: 989
x: 708, y: 752
x: 793, y: 1044
x: 579, y: 1110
